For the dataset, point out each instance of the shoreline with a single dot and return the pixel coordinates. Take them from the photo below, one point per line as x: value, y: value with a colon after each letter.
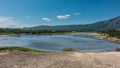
x: 100, y: 36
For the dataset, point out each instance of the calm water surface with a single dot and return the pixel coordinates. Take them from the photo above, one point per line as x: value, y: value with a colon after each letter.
x: 58, y: 42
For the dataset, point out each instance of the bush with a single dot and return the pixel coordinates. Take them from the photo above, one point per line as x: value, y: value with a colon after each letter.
x: 69, y: 49
x: 15, y: 48
x: 117, y: 49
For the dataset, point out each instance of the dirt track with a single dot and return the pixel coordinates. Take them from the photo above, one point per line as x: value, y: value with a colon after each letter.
x: 59, y: 60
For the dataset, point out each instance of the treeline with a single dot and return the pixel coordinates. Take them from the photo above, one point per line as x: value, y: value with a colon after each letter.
x: 21, y: 31
x: 112, y: 33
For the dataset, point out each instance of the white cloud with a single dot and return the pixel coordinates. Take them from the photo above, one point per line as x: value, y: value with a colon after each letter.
x: 9, y: 22
x: 46, y: 19
x: 28, y: 17
x: 77, y: 13
x: 63, y: 16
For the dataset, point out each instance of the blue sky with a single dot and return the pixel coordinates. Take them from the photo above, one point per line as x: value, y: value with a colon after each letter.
x: 22, y: 13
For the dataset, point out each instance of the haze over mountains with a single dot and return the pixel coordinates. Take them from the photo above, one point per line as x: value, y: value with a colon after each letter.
x: 113, y: 23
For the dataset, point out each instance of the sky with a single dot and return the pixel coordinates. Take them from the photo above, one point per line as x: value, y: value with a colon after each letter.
x: 29, y: 13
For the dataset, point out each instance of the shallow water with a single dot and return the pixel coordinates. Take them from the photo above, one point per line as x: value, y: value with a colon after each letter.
x: 58, y: 42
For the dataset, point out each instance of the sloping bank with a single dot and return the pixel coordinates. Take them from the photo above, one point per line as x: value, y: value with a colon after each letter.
x: 16, y: 57
x: 59, y: 60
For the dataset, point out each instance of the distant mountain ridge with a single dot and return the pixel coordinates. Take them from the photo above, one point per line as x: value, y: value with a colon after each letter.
x: 113, y: 23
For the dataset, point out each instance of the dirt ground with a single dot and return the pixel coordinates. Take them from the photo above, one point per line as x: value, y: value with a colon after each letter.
x: 59, y: 60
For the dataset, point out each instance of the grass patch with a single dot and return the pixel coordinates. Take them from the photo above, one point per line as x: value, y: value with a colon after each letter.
x: 69, y: 49
x: 15, y: 48
x: 117, y: 49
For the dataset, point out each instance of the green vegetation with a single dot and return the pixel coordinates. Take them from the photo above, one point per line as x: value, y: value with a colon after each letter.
x: 69, y: 49
x: 117, y: 49
x: 111, y: 33
x: 8, y: 31
x: 22, y: 31
x: 15, y: 48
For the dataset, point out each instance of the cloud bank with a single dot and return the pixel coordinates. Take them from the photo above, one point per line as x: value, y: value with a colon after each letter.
x: 9, y: 22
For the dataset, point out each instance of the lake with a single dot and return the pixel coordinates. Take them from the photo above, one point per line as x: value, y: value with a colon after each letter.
x: 55, y: 43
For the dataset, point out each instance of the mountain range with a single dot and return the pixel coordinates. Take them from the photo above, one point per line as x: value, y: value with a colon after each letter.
x: 113, y: 23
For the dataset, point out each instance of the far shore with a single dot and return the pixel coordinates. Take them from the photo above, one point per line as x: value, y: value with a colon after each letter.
x: 98, y: 36
x: 87, y: 34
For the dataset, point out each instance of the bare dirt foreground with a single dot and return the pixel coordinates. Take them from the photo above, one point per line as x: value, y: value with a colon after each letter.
x: 59, y: 60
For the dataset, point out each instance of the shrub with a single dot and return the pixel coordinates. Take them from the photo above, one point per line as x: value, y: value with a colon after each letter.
x: 15, y: 48
x: 69, y: 49
x: 117, y: 49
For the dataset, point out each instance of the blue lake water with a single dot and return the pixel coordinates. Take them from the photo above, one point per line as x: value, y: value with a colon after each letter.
x: 58, y: 42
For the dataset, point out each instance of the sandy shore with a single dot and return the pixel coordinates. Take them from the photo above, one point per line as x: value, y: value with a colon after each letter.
x: 98, y: 36
x: 59, y: 60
